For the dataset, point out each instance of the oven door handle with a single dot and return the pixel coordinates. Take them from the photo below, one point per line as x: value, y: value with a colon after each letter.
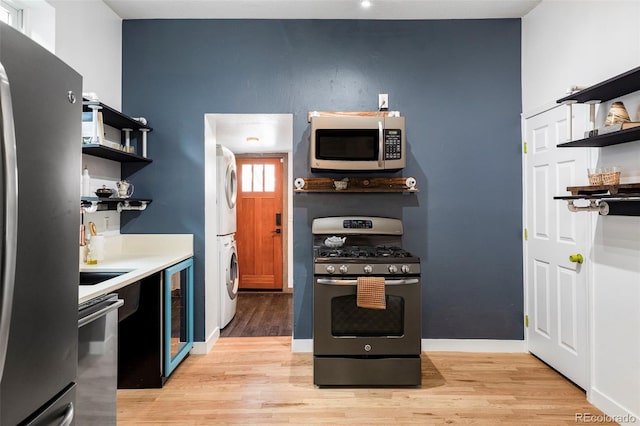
x: 84, y: 320
x: 355, y: 282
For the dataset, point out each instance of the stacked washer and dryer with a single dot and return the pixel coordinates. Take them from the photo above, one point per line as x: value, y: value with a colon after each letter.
x: 226, y: 194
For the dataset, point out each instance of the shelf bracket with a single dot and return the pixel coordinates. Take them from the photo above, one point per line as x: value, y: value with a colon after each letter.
x: 144, y: 141
x: 569, y: 105
x: 592, y: 114
x: 92, y: 208
x: 127, y: 139
x: 95, y: 108
x: 126, y: 206
x: 594, y: 206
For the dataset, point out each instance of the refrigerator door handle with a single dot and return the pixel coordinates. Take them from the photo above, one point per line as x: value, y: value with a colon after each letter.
x: 10, y: 177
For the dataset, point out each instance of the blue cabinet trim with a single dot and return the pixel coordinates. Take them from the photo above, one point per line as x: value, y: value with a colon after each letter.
x: 171, y: 363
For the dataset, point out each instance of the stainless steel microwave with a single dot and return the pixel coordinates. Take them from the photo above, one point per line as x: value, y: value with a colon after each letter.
x: 357, y: 143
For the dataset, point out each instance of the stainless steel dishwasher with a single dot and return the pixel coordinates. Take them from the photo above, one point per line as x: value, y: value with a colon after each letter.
x: 97, y: 360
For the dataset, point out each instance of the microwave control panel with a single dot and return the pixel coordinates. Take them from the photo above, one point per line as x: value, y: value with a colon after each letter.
x: 392, y: 144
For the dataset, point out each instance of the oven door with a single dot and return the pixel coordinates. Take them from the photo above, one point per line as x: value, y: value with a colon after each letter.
x: 341, y: 328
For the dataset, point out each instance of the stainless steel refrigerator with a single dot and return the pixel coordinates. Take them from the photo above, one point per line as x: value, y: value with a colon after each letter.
x: 41, y: 116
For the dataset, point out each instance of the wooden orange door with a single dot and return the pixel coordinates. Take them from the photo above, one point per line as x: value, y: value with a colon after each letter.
x: 260, y: 223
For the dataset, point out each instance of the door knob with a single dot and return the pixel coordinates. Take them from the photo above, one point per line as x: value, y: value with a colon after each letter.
x: 576, y: 258
x: 277, y: 231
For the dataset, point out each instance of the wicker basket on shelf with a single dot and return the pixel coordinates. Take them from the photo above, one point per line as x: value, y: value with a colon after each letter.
x: 611, y: 178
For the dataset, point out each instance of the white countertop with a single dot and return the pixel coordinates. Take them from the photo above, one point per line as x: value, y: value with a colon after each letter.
x: 139, y: 255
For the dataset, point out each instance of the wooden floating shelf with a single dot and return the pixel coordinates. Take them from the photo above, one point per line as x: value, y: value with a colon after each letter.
x: 616, y: 197
x: 325, y: 185
x: 624, y: 188
x: 311, y: 114
x: 609, y: 200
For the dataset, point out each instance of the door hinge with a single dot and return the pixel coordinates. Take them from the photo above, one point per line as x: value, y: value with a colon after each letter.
x: 526, y: 234
x: 524, y: 147
x: 526, y: 321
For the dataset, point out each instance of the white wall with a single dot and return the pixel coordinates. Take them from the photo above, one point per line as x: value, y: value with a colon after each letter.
x: 566, y: 43
x: 39, y: 21
x: 89, y: 39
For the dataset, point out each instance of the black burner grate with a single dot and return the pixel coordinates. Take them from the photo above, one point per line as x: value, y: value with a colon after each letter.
x: 363, y: 251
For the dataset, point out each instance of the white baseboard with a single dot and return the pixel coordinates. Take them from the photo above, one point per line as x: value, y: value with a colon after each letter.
x: 442, y: 345
x: 473, y: 345
x: 612, y: 409
x: 203, y: 348
x: 301, y: 345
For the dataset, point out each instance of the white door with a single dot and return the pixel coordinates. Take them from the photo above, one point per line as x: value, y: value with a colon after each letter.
x: 556, y: 289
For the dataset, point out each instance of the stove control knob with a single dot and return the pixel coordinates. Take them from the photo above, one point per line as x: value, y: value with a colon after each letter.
x: 393, y: 269
x: 368, y: 269
x: 343, y: 269
x: 405, y: 269
x: 331, y: 269
x: 367, y: 347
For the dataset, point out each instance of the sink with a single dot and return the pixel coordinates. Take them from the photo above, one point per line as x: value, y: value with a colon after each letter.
x: 93, y: 278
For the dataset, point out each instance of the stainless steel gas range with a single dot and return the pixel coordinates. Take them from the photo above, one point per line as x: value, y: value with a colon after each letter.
x: 356, y: 346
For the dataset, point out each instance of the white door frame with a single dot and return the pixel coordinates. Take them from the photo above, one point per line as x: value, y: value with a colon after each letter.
x: 216, y: 131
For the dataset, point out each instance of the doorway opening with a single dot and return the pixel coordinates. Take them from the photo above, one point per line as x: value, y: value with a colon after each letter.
x: 263, y: 147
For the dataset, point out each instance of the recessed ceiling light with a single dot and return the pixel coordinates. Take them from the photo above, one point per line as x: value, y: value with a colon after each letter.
x: 253, y: 139
x: 365, y: 3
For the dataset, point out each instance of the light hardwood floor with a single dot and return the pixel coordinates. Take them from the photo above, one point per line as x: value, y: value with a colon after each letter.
x: 257, y: 380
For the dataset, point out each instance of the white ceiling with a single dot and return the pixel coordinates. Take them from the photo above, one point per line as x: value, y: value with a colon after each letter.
x: 320, y: 9
x: 274, y: 132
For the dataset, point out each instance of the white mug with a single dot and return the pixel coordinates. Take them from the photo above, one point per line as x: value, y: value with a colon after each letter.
x: 125, y: 189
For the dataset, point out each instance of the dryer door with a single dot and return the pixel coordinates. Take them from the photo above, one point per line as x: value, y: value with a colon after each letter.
x: 232, y: 275
x: 231, y: 185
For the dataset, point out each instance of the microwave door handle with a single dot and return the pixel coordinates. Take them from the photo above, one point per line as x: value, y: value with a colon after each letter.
x: 380, y: 144
x: 9, y: 249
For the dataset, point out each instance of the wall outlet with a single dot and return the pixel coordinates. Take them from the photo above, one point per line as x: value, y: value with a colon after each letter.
x: 383, y: 102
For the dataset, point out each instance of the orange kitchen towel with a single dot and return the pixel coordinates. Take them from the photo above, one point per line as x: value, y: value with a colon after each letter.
x: 371, y: 293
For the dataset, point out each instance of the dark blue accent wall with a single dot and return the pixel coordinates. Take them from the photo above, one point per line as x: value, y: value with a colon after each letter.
x: 457, y: 82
